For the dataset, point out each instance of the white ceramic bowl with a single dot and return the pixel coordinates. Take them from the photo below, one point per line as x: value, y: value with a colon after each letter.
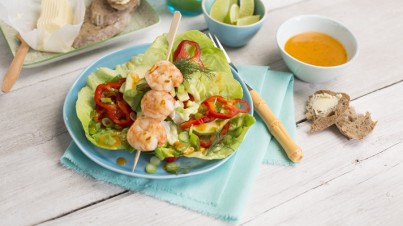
x: 307, y: 23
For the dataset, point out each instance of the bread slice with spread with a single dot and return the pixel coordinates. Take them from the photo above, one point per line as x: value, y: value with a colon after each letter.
x: 325, y: 107
x: 103, y: 20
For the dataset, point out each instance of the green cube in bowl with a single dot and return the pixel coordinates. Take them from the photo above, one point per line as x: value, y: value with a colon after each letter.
x: 234, y: 35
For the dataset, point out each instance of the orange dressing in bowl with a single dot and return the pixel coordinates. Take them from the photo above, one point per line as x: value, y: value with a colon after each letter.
x: 316, y: 48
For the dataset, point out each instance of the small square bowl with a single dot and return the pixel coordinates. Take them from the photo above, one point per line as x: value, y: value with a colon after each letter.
x: 315, y: 23
x: 232, y: 35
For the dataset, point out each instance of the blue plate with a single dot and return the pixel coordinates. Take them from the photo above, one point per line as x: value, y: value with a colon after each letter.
x: 108, y: 158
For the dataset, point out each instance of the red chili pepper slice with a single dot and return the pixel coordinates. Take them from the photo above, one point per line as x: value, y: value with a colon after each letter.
x: 185, y: 103
x: 182, y: 51
x: 107, y: 90
x: 171, y: 159
x: 100, y: 113
x: 227, y: 111
x: 225, y: 129
x: 195, y: 122
x: 117, y: 110
x: 120, y: 114
x: 228, y: 107
x: 207, y: 143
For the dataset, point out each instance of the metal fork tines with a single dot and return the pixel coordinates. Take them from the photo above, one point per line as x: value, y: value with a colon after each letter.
x: 217, y: 44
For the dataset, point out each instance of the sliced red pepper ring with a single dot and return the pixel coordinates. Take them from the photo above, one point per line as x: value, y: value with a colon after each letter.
x: 185, y: 103
x: 100, y: 113
x: 225, y: 129
x: 107, y: 90
x: 206, y: 143
x: 120, y: 115
x: 195, y: 122
x: 182, y: 52
x: 116, y: 108
x: 228, y: 107
x: 171, y: 159
x: 227, y: 111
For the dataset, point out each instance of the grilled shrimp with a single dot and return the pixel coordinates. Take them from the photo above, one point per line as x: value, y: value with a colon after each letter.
x: 146, y: 134
x: 164, y: 76
x: 157, y: 104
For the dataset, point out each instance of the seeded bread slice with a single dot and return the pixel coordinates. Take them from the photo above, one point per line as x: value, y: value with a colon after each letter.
x: 103, y: 14
x: 320, y: 122
x: 91, y: 33
x: 355, y: 126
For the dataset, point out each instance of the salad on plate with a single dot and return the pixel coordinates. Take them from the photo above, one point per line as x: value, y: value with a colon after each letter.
x: 188, y: 106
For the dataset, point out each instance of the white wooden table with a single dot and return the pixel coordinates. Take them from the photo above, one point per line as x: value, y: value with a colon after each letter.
x: 339, y: 182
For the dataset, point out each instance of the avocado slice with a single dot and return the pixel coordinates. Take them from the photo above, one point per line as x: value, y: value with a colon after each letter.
x: 210, y: 128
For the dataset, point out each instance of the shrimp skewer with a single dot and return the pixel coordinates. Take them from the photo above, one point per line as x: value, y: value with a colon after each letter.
x: 146, y: 134
x: 157, y: 104
x: 164, y: 76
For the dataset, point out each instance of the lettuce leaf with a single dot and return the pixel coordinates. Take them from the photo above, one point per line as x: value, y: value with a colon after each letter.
x: 236, y: 137
x: 229, y: 144
x: 199, y: 85
x: 105, y: 138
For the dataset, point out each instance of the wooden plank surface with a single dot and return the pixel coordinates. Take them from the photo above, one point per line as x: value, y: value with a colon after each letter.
x: 340, y: 181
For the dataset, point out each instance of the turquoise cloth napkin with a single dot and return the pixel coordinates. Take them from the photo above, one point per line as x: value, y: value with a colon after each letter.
x: 223, y: 192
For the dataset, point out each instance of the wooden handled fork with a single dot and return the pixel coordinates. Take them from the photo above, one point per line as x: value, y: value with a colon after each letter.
x: 274, y: 125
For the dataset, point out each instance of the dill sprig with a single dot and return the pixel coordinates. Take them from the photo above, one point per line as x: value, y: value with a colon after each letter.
x: 143, y: 86
x: 216, y: 143
x: 188, y: 67
x: 115, y: 79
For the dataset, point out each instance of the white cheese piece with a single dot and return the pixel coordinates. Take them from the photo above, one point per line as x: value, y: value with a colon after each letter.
x: 120, y: 2
x: 171, y: 132
x: 55, y: 14
x: 324, y: 103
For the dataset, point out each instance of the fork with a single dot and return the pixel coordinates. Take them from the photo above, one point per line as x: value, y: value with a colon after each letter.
x: 274, y: 125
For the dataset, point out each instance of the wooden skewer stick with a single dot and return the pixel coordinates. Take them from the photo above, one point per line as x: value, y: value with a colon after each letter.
x: 136, y: 159
x: 171, y: 37
x: 172, y: 31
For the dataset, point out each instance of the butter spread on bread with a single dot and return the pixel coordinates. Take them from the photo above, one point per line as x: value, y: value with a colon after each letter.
x: 323, y: 103
x: 120, y: 2
x: 123, y: 5
x: 324, y: 107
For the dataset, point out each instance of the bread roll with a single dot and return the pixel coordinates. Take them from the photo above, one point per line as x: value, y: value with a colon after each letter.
x: 325, y: 107
x: 355, y: 126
